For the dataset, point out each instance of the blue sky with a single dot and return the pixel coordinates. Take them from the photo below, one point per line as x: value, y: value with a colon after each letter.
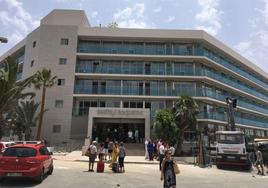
x: 240, y: 24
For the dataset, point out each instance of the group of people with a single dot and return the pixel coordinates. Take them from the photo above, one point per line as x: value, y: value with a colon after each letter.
x: 114, y: 152
x: 133, y: 136
x: 121, y: 134
x: 156, y: 149
x: 110, y: 151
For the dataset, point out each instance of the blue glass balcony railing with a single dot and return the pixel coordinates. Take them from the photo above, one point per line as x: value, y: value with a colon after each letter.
x: 109, y: 90
x: 162, y: 49
x: 230, y: 65
x: 159, y: 69
x: 239, y: 120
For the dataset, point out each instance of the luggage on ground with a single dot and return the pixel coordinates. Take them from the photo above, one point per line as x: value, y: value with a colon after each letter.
x: 100, y: 167
x: 115, y: 167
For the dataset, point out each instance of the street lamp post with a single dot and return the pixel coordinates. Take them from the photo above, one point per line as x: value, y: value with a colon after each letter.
x: 3, y: 40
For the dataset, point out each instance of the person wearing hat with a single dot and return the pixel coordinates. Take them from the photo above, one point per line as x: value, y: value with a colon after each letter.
x: 92, y: 156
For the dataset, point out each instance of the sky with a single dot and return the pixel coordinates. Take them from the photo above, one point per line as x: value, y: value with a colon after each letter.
x: 240, y: 24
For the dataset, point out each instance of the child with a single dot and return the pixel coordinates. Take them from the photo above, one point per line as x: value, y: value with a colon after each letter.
x: 101, y: 152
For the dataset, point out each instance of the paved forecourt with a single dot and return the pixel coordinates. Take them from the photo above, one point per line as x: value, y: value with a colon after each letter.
x: 69, y: 174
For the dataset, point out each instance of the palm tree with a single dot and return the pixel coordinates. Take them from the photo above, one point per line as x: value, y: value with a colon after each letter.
x: 185, y: 111
x: 25, y: 118
x: 11, y: 90
x: 44, y: 80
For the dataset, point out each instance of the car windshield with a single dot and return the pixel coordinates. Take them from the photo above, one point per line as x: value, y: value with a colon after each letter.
x: 230, y: 138
x: 20, y: 152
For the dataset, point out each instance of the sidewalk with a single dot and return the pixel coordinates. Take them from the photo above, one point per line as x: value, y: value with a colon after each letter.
x: 77, y: 156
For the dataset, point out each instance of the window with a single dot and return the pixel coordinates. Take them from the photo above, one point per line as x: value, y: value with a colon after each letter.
x: 59, y: 103
x: 34, y: 44
x: 56, y: 128
x: 64, y: 41
x: 147, y: 105
x: 20, y: 152
x: 102, y: 103
x: 126, y: 104
x: 43, y: 151
x: 61, y: 82
x: 62, y: 61
x: 32, y: 63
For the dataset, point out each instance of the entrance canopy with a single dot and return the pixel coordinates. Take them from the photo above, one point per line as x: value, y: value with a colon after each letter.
x: 99, y: 116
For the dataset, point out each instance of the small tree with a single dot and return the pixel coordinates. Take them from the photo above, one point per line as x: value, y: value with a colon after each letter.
x: 165, y: 126
x: 25, y: 118
x: 185, y: 111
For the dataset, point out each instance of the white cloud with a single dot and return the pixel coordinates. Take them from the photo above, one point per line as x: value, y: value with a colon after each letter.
x: 158, y: 9
x: 265, y: 11
x: 170, y: 19
x: 15, y: 37
x: 209, y: 16
x: 131, y: 17
x: 242, y: 46
x: 245, y: 48
x: 94, y: 14
x: 255, y: 48
x: 18, y: 20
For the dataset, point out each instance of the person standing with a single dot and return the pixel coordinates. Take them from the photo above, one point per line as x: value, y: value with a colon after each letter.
x: 150, y: 147
x: 146, y: 149
x: 259, y: 161
x: 114, y: 154
x: 172, y: 149
x: 110, y: 149
x: 106, y: 143
x: 101, y: 152
x: 121, y: 157
x: 136, y: 135
x: 92, y: 156
x: 161, y: 154
x: 130, y: 136
x: 168, y: 171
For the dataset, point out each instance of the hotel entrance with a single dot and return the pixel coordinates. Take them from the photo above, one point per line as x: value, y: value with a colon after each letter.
x: 118, y: 129
x: 115, y: 124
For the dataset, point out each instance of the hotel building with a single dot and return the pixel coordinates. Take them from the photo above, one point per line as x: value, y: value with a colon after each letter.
x: 116, y: 79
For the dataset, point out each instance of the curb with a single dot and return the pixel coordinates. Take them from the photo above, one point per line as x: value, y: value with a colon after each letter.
x: 126, y: 162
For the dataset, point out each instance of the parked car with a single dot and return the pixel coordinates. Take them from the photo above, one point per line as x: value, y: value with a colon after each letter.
x: 4, y: 146
x: 26, y: 160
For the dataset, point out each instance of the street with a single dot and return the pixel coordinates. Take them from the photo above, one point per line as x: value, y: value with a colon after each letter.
x: 69, y: 174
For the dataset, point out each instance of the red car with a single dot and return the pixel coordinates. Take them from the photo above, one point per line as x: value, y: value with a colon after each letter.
x: 26, y: 160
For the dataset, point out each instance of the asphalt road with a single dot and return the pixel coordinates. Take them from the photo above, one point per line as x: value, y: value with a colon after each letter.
x: 75, y: 175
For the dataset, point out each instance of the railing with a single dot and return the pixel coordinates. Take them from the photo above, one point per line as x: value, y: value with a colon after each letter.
x: 88, y: 68
x: 162, y: 49
x: 229, y: 65
x: 124, y: 49
x: 109, y: 90
x: 233, y: 83
x: 240, y: 120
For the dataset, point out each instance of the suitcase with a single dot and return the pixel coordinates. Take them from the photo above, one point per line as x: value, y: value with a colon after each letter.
x: 100, y: 167
x: 115, y: 167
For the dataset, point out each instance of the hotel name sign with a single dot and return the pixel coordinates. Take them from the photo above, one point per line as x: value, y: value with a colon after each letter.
x: 119, y: 112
